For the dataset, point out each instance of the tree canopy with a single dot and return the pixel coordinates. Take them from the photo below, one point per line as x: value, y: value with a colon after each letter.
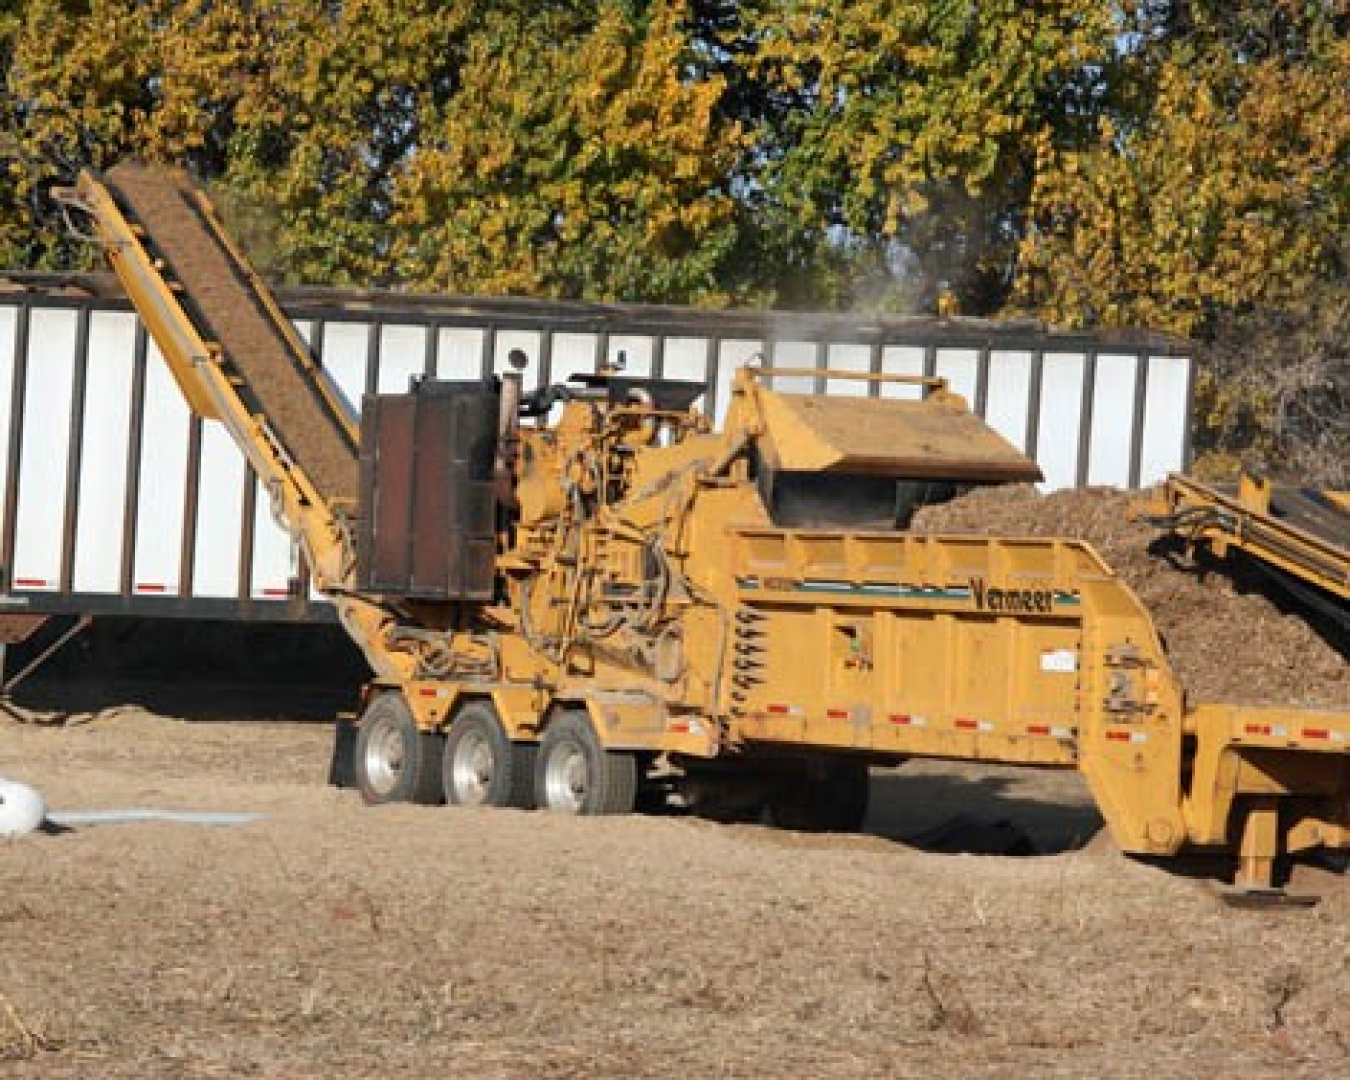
x: 1175, y: 163
x: 1216, y: 180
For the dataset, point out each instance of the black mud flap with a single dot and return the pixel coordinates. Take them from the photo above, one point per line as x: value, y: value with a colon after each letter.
x: 342, y: 767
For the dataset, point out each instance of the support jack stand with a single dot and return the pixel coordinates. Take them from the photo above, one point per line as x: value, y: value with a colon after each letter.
x: 1267, y: 899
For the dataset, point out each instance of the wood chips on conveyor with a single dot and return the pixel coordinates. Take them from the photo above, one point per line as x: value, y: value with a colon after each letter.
x: 229, y: 311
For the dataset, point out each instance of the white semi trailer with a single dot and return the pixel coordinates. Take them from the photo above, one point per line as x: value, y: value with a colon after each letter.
x: 118, y: 502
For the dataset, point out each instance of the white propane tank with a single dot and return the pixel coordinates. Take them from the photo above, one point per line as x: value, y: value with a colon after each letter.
x: 21, y: 809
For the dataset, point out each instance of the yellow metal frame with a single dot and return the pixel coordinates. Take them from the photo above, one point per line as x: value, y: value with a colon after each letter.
x: 214, y: 394
x: 1220, y: 521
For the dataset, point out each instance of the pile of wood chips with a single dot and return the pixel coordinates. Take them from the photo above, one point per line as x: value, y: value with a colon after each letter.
x: 1227, y: 641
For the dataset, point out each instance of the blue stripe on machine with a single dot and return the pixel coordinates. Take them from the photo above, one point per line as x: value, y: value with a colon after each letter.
x: 902, y: 592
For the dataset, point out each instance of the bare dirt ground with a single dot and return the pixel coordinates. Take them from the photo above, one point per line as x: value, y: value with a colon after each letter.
x: 330, y: 939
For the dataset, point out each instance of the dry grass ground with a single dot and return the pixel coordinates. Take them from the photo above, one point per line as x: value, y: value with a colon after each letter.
x: 334, y: 940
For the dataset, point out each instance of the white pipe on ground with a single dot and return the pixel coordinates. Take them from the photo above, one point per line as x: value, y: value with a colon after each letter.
x: 23, y: 810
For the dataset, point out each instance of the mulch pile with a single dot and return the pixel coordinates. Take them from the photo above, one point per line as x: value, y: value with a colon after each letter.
x: 1226, y: 643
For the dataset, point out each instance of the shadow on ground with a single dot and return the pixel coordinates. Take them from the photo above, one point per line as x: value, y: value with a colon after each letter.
x: 198, y: 670
x: 957, y: 807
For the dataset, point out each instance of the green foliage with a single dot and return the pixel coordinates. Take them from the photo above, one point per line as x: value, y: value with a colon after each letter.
x: 910, y: 127
x: 323, y: 137
x: 1214, y: 200
x: 1224, y: 188
x: 564, y: 149
x: 1145, y: 161
x: 14, y: 226
x: 576, y: 161
x: 91, y: 83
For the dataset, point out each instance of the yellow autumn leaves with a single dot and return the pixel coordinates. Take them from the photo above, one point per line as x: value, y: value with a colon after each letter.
x: 578, y: 165
x: 1158, y: 163
x: 1233, y: 193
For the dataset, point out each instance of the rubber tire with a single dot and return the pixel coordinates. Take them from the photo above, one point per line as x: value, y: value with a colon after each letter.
x: 831, y: 798
x: 388, y: 729
x: 511, y: 779
x: 575, y: 774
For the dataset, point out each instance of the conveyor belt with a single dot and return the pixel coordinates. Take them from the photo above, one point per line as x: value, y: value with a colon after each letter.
x: 1305, y: 509
x: 1312, y: 512
x: 228, y: 305
x: 1299, y: 532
